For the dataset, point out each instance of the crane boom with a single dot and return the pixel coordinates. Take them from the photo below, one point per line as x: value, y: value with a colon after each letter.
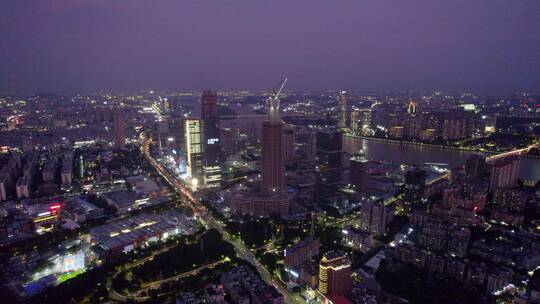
x: 281, y: 88
x: 273, y: 103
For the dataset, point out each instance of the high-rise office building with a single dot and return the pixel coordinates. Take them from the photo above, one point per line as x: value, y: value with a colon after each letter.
x: 227, y: 138
x: 210, y: 164
x: 289, y: 135
x: 359, y: 176
x: 415, y: 183
x: 306, y: 142
x: 335, y: 272
x: 194, y: 149
x: 273, y: 168
x: 119, y: 130
x: 342, y: 108
x: 329, y: 166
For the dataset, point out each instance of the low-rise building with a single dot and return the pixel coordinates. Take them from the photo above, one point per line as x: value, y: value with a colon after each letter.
x: 301, y: 252
x: 499, y: 278
x: 357, y: 239
x: 258, y: 205
x: 126, y: 234
x: 244, y: 286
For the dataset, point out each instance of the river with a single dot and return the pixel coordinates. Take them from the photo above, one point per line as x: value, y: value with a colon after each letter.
x: 413, y: 154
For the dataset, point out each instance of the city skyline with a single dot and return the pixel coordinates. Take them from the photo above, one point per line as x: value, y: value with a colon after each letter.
x: 148, y: 156
x: 85, y: 46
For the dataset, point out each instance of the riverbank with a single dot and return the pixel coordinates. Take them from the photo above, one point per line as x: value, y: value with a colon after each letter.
x: 434, y: 146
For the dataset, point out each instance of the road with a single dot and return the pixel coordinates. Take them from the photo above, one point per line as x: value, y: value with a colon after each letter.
x: 113, y: 294
x: 156, y: 284
x: 200, y: 211
x: 135, y: 296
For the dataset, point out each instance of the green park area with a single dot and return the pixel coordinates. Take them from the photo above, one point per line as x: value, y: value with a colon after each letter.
x: 187, y: 267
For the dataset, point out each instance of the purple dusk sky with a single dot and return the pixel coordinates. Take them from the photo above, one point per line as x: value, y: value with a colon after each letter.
x: 86, y: 45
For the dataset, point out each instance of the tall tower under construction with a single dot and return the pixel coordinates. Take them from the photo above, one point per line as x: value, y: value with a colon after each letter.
x: 273, y: 168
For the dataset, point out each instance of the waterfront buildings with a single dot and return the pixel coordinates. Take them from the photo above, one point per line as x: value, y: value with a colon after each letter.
x: 475, y: 166
x: 504, y: 173
x: 354, y: 120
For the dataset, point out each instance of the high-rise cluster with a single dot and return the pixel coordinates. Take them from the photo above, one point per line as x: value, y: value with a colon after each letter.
x: 202, y: 144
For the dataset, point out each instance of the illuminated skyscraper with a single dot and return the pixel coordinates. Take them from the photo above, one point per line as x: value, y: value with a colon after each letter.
x: 273, y: 170
x: 335, y: 274
x: 210, y: 163
x: 193, y: 135
x: 119, y: 130
x: 354, y: 120
x: 342, y: 107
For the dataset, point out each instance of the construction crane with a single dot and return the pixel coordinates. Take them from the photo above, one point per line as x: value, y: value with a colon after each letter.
x: 273, y: 101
